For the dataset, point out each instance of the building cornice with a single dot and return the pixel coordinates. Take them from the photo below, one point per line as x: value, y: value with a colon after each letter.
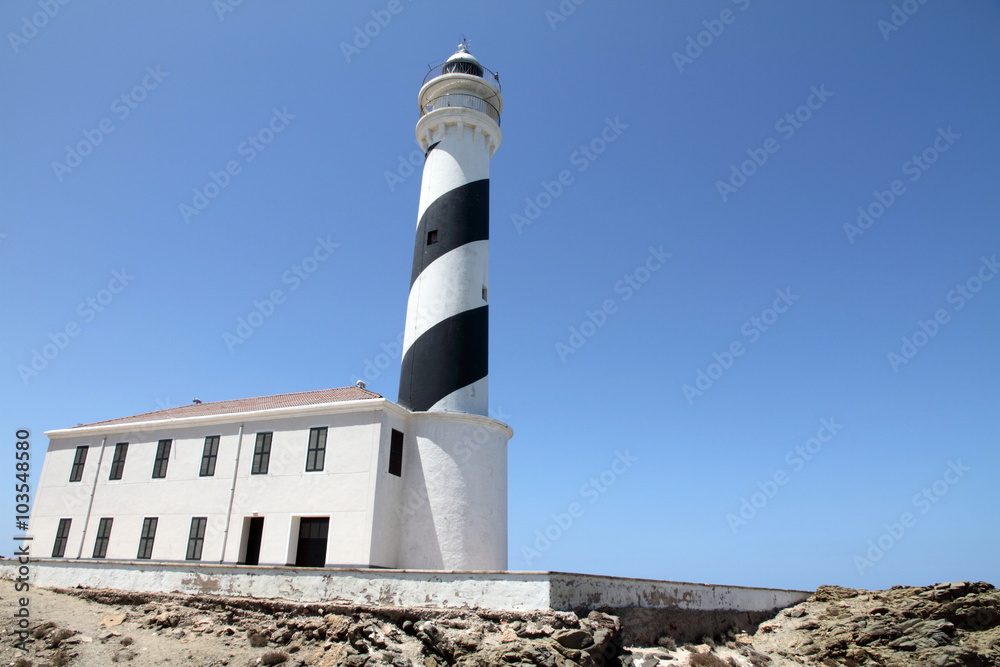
x: 462, y: 418
x: 333, y: 408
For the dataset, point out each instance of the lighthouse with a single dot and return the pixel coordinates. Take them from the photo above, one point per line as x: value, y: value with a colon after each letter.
x: 459, y: 461
x: 446, y: 339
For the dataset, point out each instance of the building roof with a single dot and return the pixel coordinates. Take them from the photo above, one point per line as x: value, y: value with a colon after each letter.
x: 241, y: 405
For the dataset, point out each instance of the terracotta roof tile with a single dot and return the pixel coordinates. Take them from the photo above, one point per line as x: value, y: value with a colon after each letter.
x: 240, y: 405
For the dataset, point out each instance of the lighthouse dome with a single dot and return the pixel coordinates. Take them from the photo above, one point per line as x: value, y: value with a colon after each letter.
x: 462, y: 62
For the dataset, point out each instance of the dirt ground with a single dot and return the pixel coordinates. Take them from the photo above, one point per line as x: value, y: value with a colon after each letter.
x: 946, y: 625
x: 104, y: 635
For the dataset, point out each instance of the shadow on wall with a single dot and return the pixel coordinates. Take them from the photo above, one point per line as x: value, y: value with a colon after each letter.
x: 416, y: 517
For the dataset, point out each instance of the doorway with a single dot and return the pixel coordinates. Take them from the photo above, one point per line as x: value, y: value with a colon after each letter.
x: 311, y: 550
x: 255, y: 530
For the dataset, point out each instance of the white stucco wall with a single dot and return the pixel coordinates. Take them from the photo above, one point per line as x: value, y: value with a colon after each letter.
x: 447, y: 510
x: 456, y: 476
x: 344, y: 491
x: 389, y: 502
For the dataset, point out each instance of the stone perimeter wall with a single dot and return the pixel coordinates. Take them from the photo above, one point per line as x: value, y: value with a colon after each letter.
x: 647, y: 609
x: 521, y: 591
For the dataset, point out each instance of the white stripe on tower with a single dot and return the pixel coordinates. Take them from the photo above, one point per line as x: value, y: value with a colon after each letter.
x: 470, y: 262
x: 446, y: 338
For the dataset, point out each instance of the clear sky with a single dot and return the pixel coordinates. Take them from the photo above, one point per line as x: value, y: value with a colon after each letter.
x: 744, y: 292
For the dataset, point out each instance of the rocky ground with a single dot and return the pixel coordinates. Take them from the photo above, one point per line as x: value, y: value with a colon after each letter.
x: 937, y: 626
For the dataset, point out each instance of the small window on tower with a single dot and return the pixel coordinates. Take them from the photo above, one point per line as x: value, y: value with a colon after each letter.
x: 484, y: 292
x: 396, y: 453
x: 432, y: 237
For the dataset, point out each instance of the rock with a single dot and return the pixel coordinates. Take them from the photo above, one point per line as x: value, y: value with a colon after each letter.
x: 256, y: 639
x: 111, y: 620
x: 273, y: 658
x: 310, y: 656
x: 333, y: 657
x: 911, y: 643
x: 507, y: 635
x: 165, y: 620
x: 895, y: 628
x: 282, y: 635
x: 336, y: 626
x: 953, y: 656
x: 534, y: 630
x: 573, y: 639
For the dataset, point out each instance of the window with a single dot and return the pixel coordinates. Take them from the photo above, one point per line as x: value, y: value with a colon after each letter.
x: 196, y: 538
x: 118, y: 462
x: 396, y: 454
x: 209, y: 456
x: 162, y: 459
x: 432, y: 237
x: 146, y: 538
x: 261, y: 454
x: 76, y: 474
x: 103, y: 535
x: 317, y: 449
x: 62, y: 533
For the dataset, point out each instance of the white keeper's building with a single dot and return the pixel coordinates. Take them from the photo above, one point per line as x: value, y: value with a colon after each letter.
x: 338, y: 477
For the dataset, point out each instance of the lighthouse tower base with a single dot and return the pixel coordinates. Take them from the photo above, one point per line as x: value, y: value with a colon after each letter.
x: 456, y: 473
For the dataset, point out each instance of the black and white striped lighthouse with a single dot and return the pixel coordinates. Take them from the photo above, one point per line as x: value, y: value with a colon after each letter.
x: 446, y: 339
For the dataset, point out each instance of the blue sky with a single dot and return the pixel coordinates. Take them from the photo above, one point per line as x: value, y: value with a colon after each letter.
x: 803, y: 392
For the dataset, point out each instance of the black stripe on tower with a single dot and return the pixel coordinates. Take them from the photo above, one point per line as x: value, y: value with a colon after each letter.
x: 457, y: 217
x: 452, y: 354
